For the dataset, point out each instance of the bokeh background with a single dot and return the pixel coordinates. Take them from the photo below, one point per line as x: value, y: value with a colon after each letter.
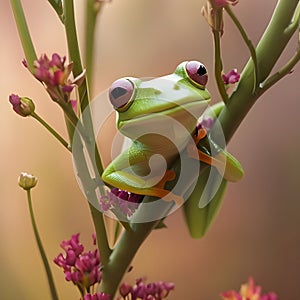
x: 257, y: 232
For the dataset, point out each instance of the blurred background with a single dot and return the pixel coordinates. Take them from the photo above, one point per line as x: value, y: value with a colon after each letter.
x: 257, y: 232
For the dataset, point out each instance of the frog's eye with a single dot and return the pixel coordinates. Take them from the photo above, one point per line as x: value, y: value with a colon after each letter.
x: 121, y: 94
x: 197, y: 73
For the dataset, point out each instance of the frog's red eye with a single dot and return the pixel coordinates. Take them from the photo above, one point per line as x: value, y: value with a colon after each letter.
x: 197, y: 73
x: 121, y: 94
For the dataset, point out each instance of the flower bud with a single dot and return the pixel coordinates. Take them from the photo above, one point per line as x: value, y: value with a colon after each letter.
x: 27, y: 181
x: 23, y: 106
x: 231, y: 77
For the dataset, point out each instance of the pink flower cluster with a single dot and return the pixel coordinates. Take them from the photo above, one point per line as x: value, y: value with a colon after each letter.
x: 54, y: 74
x: 82, y: 268
x: 120, y: 202
x: 150, y: 291
x: 248, y: 291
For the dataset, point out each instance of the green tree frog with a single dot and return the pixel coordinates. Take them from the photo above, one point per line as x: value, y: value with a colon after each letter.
x: 160, y: 117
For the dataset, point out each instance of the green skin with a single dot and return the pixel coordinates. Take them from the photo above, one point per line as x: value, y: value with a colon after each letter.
x: 162, y: 103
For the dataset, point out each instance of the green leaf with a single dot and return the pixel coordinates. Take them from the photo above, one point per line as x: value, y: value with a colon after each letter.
x: 208, y: 192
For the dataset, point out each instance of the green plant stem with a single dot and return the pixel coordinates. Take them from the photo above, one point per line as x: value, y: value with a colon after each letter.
x: 51, y: 283
x: 247, y: 42
x: 285, y: 70
x: 269, y: 49
x: 90, y: 142
x: 71, y: 34
x: 73, y: 121
x: 126, y: 248
x: 219, y: 66
x: 74, y: 52
x: 88, y: 184
x: 78, y: 134
x: 122, y: 256
x: 89, y: 188
x: 51, y: 130
x: 24, y: 34
x: 92, y: 11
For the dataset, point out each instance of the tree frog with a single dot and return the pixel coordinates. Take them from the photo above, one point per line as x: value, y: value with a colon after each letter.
x: 160, y: 117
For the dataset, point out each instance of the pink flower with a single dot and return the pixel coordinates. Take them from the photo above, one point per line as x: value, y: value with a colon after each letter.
x: 231, y: 77
x: 223, y: 3
x: 248, y: 291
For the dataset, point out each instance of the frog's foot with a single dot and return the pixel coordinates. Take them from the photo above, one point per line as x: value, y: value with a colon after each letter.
x: 201, y: 134
x: 159, y: 191
x: 219, y: 161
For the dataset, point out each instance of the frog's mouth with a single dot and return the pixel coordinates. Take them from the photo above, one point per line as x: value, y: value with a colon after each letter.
x: 181, y: 112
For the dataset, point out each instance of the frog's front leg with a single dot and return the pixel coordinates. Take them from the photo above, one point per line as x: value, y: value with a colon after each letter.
x: 225, y: 163
x: 120, y: 174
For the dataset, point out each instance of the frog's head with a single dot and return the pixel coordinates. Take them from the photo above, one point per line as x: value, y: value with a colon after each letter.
x: 144, y: 105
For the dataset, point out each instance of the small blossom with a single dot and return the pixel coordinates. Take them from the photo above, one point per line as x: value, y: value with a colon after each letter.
x: 98, y: 296
x: 120, y: 201
x: 223, y: 3
x: 207, y: 123
x: 80, y: 267
x: 248, y: 291
x: 231, y: 77
x: 73, y: 244
x: 125, y: 289
x: 151, y: 291
x: 231, y: 295
x: 21, y: 105
x: 27, y: 181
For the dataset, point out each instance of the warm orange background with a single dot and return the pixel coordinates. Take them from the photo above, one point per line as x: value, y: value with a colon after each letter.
x: 257, y: 232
